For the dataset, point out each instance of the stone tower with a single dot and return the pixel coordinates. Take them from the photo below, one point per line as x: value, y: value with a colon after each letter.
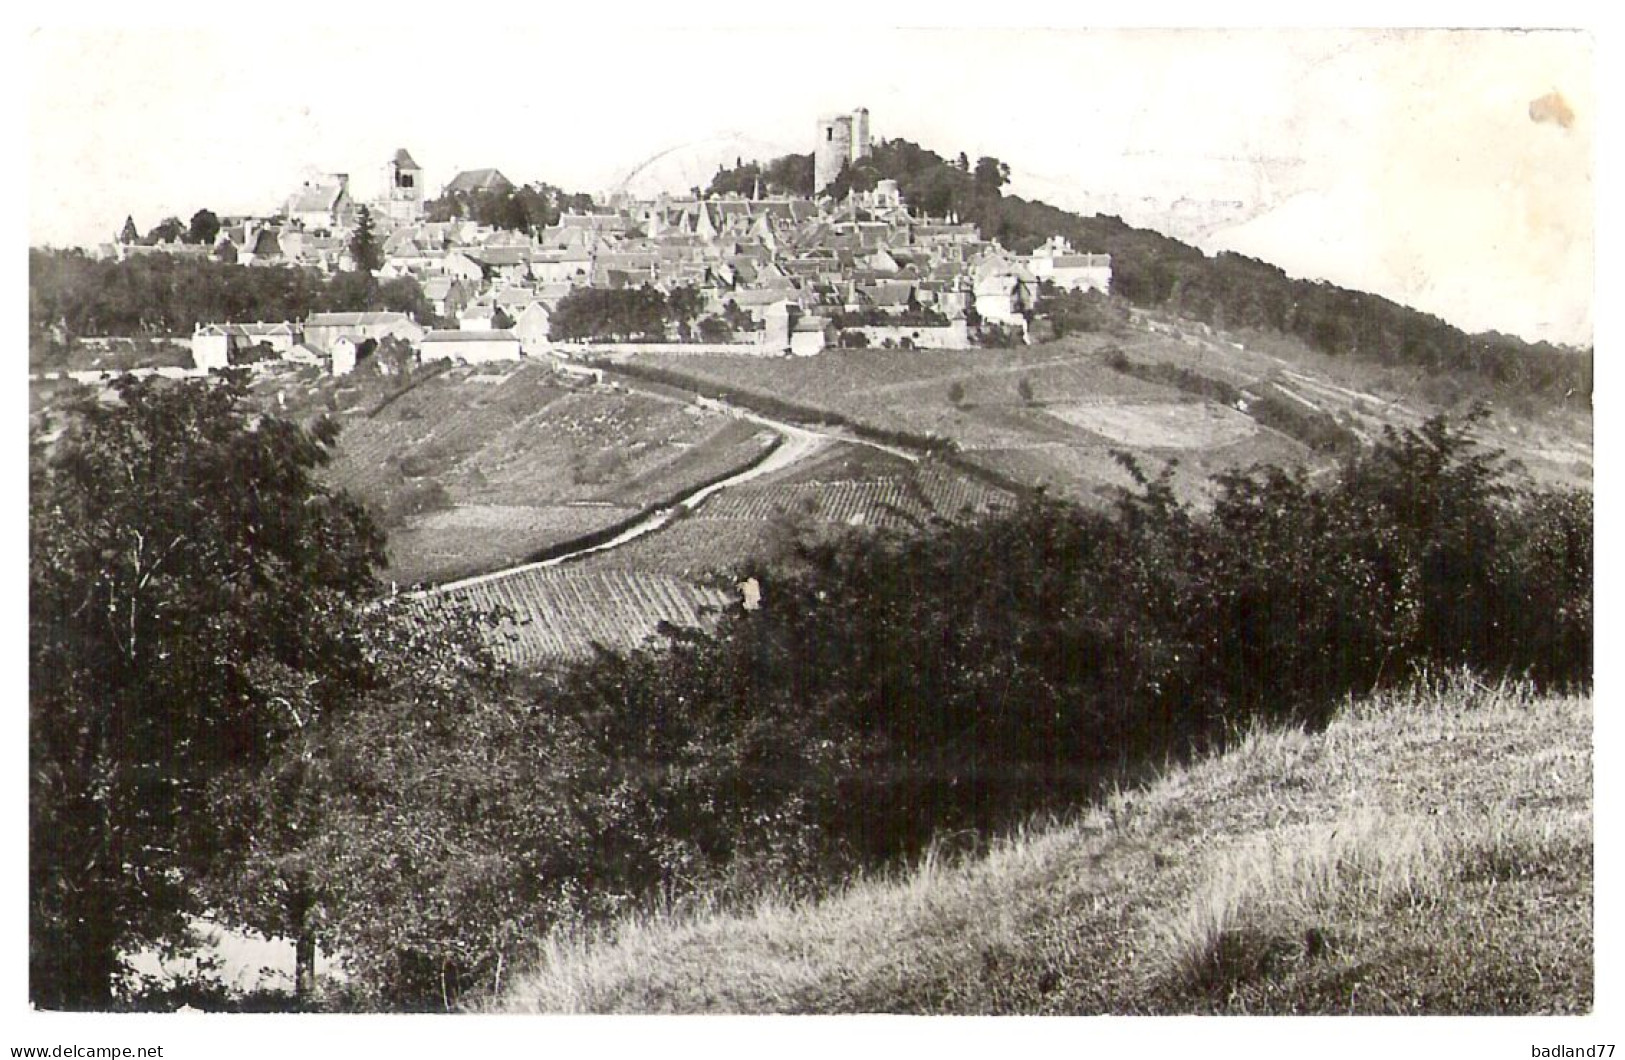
x: 842, y: 139
x: 403, y: 184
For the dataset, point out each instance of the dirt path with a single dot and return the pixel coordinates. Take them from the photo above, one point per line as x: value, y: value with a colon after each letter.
x: 798, y: 444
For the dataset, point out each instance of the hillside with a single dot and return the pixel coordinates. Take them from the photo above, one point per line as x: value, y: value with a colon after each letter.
x: 1158, y: 386
x: 473, y: 470
x: 1426, y: 853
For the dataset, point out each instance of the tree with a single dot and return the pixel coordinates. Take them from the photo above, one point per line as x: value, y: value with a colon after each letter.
x: 168, y: 230
x: 194, y: 590
x: 204, y: 228
x: 714, y: 329
x: 991, y: 174
x: 1025, y: 389
x: 365, y: 251
x: 129, y: 234
x: 956, y: 393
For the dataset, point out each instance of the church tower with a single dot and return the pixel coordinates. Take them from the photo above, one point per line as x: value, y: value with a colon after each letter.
x: 403, y: 183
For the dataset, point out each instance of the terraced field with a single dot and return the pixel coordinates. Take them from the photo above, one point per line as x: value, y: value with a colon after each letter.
x: 889, y: 502
x: 472, y: 538
x: 692, y: 548
x: 471, y: 471
x: 560, y: 613
x: 845, y: 486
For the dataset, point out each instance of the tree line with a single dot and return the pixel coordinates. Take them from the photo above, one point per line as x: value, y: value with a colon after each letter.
x: 226, y: 716
x: 524, y: 209
x: 200, y: 231
x: 71, y: 294
x: 786, y: 175
x: 634, y: 314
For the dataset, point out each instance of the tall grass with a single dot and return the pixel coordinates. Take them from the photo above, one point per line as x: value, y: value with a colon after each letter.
x: 1429, y: 850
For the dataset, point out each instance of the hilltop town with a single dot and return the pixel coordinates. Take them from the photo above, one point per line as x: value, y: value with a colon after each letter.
x: 762, y: 272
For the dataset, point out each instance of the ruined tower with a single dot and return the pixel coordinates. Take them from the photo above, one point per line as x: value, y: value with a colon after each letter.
x: 842, y: 139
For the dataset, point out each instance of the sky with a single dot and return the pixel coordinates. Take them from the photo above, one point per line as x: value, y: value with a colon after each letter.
x: 1410, y: 163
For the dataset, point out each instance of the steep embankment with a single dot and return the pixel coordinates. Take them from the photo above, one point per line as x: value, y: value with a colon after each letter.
x: 1428, y: 853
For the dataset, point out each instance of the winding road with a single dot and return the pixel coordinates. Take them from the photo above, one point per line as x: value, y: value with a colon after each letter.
x: 798, y: 444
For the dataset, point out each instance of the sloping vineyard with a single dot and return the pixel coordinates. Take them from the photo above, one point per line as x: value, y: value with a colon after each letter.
x: 931, y: 493
x: 560, y: 613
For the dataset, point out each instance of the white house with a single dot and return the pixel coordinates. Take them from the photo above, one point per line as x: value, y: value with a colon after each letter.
x: 344, y: 352
x: 1004, y: 291
x: 532, y: 326
x: 809, y: 335
x: 211, y: 347
x: 471, y: 347
x: 214, y: 344
x: 479, y: 316
x: 1057, y: 262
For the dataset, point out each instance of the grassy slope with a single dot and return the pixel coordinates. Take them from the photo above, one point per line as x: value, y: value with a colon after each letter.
x: 1429, y: 853
x: 908, y: 390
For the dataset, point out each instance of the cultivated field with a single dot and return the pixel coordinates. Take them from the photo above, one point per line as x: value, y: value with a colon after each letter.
x: 1162, y: 425
x: 1426, y: 853
x: 844, y: 486
x: 1082, y: 408
x: 476, y: 470
x: 559, y: 613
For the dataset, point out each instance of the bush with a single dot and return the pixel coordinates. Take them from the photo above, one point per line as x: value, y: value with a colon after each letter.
x: 999, y: 336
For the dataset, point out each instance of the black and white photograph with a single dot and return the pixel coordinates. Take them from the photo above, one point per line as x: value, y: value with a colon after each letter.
x: 1085, y: 526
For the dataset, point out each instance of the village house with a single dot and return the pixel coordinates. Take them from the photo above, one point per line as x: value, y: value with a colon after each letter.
x: 1004, y: 291
x: 472, y: 181
x: 213, y: 345
x: 322, y: 203
x: 470, y: 347
x: 532, y: 325
x: 447, y: 296
x: 322, y: 330
x: 477, y: 316
x: 1057, y: 262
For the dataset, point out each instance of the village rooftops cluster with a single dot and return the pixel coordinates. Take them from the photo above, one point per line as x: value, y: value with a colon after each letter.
x: 790, y: 274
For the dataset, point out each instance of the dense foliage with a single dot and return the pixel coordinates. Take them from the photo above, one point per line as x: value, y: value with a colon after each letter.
x: 365, y: 250
x: 624, y: 314
x: 71, y: 294
x: 1075, y: 312
x: 786, y: 175
x: 192, y: 585
x: 524, y: 209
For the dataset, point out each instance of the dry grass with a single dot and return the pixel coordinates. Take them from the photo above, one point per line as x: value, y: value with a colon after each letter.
x: 1428, y: 852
